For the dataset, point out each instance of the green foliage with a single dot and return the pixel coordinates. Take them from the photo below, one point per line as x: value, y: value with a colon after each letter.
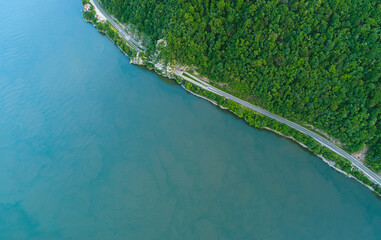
x: 106, y: 28
x: 259, y: 121
x: 316, y: 62
x: 374, y: 157
x: 89, y: 16
x: 188, y: 85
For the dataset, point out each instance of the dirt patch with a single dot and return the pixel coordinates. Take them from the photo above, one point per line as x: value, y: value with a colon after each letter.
x: 205, y: 79
x: 360, y: 155
x: 223, y: 84
x: 335, y: 141
x: 98, y: 14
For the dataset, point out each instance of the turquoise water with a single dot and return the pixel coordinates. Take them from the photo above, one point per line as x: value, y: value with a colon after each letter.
x: 92, y: 147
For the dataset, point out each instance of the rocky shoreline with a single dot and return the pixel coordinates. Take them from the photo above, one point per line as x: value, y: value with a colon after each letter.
x: 167, y: 72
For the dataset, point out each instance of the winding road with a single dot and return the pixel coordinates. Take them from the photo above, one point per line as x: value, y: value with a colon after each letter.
x: 194, y: 80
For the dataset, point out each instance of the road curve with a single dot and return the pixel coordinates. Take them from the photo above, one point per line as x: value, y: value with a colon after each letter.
x: 355, y: 162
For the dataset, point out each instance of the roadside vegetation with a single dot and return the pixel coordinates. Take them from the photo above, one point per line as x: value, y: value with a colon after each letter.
x: 107, y: 29
x: 251, y: 117
x: 260, y: 121
x: 309, y: 61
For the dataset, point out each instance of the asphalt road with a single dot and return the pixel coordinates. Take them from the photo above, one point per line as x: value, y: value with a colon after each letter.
x: 371, y: 175
x: 355, y: 162
x: 137, y: 46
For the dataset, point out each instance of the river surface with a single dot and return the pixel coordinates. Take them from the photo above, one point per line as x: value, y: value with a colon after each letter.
x: 92, y: 147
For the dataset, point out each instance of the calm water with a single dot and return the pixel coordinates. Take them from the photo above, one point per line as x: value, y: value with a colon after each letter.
x: 92, y: 147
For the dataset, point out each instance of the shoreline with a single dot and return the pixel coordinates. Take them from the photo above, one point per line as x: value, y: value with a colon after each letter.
x: 137, y: 60
x: 330, y: 163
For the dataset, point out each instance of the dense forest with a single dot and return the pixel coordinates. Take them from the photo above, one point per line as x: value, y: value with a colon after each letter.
x: 315, y: 62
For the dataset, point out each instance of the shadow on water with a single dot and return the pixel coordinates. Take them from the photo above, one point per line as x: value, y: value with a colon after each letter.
x: 173, y: 82
x: 166, y: 80
x: 293, y: 141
